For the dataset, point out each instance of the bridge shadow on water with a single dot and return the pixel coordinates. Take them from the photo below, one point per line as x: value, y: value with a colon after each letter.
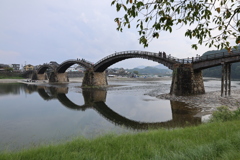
x: 95, y: 99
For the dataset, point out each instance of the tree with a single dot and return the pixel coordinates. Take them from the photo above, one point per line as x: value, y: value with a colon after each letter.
x: 213, y: 22
x: 135, y: 72
x: 8, y: 69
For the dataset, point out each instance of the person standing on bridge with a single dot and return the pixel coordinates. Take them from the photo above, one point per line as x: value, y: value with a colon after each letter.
x: 160, y: 54
x: 164, y: 55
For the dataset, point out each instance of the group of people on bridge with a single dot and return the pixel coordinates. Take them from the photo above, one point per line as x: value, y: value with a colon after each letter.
x: 78, y: 59
x: 164, y: 55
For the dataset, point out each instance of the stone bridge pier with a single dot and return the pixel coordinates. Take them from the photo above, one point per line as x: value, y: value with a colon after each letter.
x: 94, y: 79
x: 36, y: 76
x: 186, y: 81
x: 58, y: 77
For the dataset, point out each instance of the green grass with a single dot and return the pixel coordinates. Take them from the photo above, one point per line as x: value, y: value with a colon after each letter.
x: 219, y: 139
x: 9, y: 77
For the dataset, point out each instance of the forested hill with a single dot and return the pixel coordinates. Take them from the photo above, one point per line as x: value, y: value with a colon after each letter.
x: 151, y: 70
x: 217, y: 71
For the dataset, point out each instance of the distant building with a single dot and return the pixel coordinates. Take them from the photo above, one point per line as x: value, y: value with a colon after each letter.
x: 16, y: 67
x: 28, y: 67
x: 80, y: 69
x: 3, y: 67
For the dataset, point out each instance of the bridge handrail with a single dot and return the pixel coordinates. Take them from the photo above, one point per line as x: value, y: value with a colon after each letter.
x: 157, y: 55
x: 169, y: 57
x: 83, y: 60
x: 217, y: 55
x: 44, y: 64
x: 208, y: 57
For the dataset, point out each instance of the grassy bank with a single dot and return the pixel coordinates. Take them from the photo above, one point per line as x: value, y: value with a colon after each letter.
x: 217, y: 140
x: 10, y: 77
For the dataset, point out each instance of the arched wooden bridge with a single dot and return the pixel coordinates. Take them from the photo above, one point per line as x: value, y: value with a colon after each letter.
x: 188, y: 78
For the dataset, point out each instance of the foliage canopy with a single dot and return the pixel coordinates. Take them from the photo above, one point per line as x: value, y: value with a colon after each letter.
x: 213, y: 22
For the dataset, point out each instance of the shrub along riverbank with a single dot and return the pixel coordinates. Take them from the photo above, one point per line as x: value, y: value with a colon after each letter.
x: 219, y: 139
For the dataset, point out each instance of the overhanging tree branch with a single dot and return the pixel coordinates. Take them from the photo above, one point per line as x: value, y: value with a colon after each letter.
x: 162, y: 15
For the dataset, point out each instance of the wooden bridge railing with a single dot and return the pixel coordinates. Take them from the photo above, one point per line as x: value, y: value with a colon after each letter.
x: 161, y: 55
x: 144, y: 53
x: 216, y: 56
x: 83, y: 60
x: 208, y: 57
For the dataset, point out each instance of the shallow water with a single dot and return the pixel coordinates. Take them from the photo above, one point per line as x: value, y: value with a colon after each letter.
x: 31, y: 115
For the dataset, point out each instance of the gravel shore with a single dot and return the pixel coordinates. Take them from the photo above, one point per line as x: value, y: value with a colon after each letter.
x: 208, y: 101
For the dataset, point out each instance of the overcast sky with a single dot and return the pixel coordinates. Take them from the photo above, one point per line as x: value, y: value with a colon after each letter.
x: 40, y: 31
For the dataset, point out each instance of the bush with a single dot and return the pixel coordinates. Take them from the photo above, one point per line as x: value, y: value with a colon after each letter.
x: 224, y: 114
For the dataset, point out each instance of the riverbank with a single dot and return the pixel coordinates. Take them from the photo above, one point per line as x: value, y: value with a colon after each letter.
x: 218, y: 140
x: 11, y: 80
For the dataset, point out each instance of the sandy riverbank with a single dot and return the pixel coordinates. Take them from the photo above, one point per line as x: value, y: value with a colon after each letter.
x: 11, y: 80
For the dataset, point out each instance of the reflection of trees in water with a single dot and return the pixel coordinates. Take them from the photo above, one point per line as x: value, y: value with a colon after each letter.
x: 6, y: 89
x: 30, y: 88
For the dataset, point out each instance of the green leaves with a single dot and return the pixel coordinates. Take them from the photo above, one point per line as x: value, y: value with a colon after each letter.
x: 143, y: 40
x: 238, y: 40
x: 118, y: 6
x: 211, y: 22
x: 155, y: 35
x: 194, y: 46
x: 139, y: 4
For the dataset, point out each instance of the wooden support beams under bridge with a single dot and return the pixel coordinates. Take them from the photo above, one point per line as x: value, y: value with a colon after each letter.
x: 226, y: 79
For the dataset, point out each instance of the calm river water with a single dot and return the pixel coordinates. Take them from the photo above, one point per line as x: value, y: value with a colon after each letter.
x: 31, y: 115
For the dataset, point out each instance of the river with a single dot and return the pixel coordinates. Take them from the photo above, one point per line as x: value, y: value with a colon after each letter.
x: 31, y: 115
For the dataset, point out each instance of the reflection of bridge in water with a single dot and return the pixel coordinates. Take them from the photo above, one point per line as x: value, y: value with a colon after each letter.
x: 95, y: 99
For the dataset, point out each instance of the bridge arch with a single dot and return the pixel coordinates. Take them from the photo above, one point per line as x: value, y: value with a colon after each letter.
x: 162, y: 58
x: 42, y: 69
x: 66, y: 64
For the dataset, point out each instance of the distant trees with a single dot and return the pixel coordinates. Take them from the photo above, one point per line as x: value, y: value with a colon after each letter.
x: 8, y: 69
x: 135, y: 72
